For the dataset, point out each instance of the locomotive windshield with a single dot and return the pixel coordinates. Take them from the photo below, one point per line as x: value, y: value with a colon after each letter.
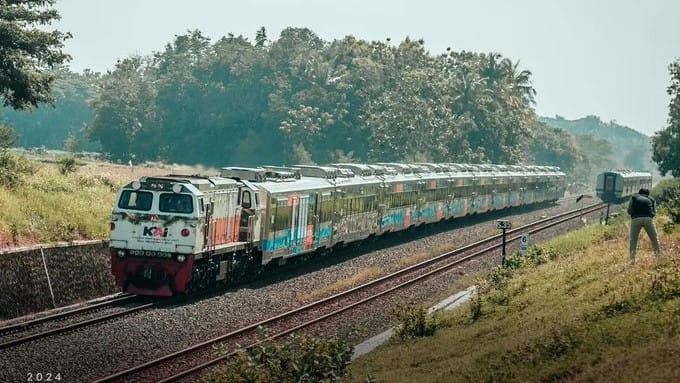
x: 135, y: 200
x: 176, y: 203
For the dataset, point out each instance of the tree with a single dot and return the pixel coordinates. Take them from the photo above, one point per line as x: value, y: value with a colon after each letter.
x: 7, y: 137
x: 11, y: 166
x: 27, y: 53
x: 50, y: 126
x: 125, y: 111
x: 666, y: 143
x: 261, y: 38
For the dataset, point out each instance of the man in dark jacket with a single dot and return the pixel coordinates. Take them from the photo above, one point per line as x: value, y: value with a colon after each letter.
x: 642, y: 209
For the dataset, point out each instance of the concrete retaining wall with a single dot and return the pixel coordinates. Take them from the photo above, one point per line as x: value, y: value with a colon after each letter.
x: 77, y: 272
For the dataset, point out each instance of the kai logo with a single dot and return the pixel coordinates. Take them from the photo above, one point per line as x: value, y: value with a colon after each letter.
x: 155, y: 231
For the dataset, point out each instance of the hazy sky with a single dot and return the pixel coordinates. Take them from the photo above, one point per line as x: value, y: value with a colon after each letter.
x: 603, y: 57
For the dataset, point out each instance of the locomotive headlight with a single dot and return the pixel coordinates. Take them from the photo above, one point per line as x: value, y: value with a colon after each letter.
x: 181, y: 258
x: 121, y: 253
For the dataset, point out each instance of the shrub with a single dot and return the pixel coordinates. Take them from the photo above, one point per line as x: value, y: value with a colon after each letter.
x: 67, y: 164
x: 665, y: 284
x: 514, y: 262
x: 538, y: 255
x: 475, y: 309
x: 12, y: 168
x: 498, y: 277
x: 667, y: 194
x: 302, y: 359
x: 414, y: 322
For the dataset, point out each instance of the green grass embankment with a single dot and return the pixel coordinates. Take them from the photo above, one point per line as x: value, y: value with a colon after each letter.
x: 574, y: 311
x: 48, y: 206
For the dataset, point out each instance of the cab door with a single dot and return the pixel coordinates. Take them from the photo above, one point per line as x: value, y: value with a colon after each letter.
x: 249, y: 222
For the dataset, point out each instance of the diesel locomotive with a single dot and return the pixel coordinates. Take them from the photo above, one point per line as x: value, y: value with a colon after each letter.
x: 617, y: 186
x: 177, y: 233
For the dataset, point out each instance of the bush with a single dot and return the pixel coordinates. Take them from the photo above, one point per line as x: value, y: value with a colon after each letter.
x: 414, y: 322
x: 667, y: 194
x: 475, y: 309
x: 538, y: 255
x: 12, y: 168
x: 67, y: 164
x: 302, y: 359
x: 665, y: 284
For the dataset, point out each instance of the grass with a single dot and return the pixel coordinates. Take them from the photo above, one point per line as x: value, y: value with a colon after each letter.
x: 48, y: 206
x: 576, y: 311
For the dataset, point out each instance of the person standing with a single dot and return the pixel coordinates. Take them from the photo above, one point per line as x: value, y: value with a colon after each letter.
x: 642, y: 209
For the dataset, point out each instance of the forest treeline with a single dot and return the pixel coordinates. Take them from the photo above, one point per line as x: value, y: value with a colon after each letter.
x: 300, y: 99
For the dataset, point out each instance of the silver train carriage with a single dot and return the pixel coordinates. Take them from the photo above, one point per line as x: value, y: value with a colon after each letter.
x: 173, y: 233
x: 619, y: 185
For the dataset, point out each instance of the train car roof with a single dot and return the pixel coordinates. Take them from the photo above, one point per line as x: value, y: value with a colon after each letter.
x: 200, y: 183
x: 625, y: 173
x: 312, y: 177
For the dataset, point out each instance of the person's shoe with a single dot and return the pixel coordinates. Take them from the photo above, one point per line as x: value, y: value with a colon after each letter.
x: 632, y: 262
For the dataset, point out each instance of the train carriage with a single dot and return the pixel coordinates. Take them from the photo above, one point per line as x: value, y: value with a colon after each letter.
x: 249, y: 217
x: 618, y: 185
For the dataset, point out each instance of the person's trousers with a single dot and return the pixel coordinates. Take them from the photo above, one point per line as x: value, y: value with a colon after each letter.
x: 648, y: 224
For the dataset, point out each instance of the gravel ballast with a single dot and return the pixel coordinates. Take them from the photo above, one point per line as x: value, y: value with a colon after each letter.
x: 112, y: 346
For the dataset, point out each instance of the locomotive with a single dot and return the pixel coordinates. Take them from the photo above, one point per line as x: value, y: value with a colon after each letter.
x: 618, y: 185
x: 177, y: 233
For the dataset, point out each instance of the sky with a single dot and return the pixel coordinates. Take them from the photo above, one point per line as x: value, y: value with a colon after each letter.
x: 607, y: 58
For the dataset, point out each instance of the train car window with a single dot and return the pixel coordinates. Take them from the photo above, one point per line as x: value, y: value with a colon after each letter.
x: 176, y: 203
x: 245, y: 199
x: 283, y: 216
x: 201, y: 206
x: 135, y: 200
x: 326, y: 211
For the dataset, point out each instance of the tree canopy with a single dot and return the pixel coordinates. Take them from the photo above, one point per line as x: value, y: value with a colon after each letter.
x: 300, y: 99
x: 27, y: 52
x: 666, y: 150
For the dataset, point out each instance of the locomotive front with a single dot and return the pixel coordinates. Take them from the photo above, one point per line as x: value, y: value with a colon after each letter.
x: 154, y: 233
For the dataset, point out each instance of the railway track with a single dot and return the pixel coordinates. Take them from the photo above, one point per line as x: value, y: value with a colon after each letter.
x: 69, y: 320
x: 191, y: 361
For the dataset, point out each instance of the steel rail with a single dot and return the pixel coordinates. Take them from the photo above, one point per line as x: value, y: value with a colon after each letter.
x: 73, y: 326
x: 539, y: 225
x: 47, y: 318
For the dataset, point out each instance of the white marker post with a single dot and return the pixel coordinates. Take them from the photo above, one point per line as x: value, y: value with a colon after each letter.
x: 524, y: 244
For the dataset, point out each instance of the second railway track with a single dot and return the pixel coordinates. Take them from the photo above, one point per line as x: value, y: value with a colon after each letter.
x: 69, y: 320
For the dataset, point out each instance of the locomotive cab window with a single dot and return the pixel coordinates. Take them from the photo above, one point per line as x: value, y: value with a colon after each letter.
x: 176, y: 203
x: 135, y: 200
x: 245, y: 199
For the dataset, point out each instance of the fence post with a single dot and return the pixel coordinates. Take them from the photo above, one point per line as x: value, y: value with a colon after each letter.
x: 49, y: 283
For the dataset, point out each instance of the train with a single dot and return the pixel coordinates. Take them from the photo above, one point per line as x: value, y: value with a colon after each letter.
x: 616, y: 186
x: 175, y: 234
